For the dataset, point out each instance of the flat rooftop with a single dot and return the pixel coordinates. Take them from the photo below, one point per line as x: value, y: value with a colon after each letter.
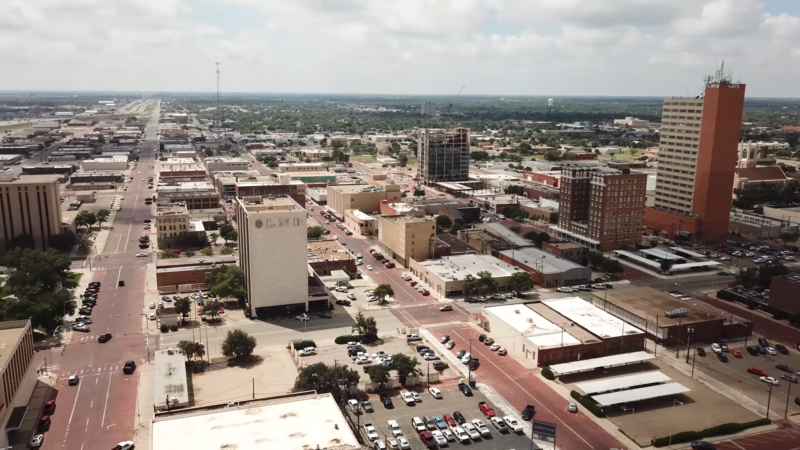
x: 283, y: 423
x: 171, y: 210
x: 532, y: 325
x: 581, y: 334
x: 328, y: 250
x: 32, y: 179
x: 550, y: 263
x: 264, y: 204
x: 592, y: 318
x: 361, y: 215
x: 170, y: 379
x: 650, y: 303
x: 10, y: 334
x: 459, y: 266
x: 195, y: 261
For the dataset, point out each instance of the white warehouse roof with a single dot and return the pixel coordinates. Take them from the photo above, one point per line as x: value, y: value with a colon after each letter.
x: 606, y: 361
x: 533, y: 326
x: 592, y: 318
x: 635, y: 395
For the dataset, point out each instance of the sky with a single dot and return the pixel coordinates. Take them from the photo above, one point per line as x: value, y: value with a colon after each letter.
x: 405, y: 47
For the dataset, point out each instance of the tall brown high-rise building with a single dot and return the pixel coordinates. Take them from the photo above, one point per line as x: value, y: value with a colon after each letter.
x: 697, y: 161
x: 600, y: 208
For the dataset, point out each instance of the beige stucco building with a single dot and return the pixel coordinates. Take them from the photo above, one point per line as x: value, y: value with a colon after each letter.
x: 172, y: 221
x: 365, y: 198
x: 405, y: 237
x: 18, y: 376
x: 273, y: 253
x: 446, y: 276
x: 30, y: 205
x: 360, y: 223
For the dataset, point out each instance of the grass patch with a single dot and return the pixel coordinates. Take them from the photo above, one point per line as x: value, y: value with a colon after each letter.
x: 72, y: 280
x: 365, y: 159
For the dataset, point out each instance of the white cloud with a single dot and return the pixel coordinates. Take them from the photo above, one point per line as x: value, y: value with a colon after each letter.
x: 546, y: 47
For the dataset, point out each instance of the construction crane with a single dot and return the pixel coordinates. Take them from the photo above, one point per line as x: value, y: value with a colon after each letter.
x: 450, y: 102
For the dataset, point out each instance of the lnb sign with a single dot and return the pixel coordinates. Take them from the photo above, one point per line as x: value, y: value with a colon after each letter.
x: 544, y: 431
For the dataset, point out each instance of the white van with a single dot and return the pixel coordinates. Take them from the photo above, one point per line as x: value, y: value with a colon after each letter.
x: 465, y: 359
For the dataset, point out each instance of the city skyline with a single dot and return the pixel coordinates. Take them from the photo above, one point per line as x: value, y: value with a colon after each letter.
x: 496, y: 47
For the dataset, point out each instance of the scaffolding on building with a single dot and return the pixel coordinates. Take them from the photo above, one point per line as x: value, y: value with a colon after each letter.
x: 443, y: 155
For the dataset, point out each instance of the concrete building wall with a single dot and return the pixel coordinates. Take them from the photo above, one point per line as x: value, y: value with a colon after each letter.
x: 30, y: 205
x: 716, y: 158
x: 341, y: 198
x: 105, y: 164
x: 272, y: 245
x: 183, y: 276
x: 406, y: 237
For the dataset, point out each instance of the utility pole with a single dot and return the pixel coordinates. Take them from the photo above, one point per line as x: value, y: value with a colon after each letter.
x: 769, y: 400
x: 788, y: 394
x: 254, y: 388
x: 689, y: 330
x: 693, y: 358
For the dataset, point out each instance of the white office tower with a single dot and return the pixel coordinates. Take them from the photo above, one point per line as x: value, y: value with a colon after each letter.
x: 272, y: 250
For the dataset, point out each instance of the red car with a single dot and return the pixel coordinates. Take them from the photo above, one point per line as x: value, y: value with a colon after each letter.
x: 425, y: 292
x: 724, y: 348
x: 413, y: 283
x: 757, y: 371
x: 486, y: 409
x: 449, y: 419
x: 736, y: 353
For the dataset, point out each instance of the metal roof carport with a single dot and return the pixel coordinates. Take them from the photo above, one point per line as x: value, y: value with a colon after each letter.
x: 635, y: 395
x: 615, y: 384
x: 606, y: 361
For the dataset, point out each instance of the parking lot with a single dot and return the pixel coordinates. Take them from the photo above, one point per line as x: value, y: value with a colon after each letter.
x: 452, y: 401
x: 734, y: 374
x: 337, y: 354
x: 698, y: 409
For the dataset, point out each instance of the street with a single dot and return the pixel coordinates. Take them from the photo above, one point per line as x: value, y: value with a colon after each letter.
x: 99, y: 412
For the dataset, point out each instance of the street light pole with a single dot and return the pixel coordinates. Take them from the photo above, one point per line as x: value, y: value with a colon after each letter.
x: 693, y: 358
x: 788, y: 394
x: 689, y: 332
x: 769, y: 400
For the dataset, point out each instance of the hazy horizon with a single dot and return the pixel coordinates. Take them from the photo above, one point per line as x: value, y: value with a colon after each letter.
x: 609, y: 48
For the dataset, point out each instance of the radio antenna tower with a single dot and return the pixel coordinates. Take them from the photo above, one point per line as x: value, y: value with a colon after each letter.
x: 219, y: 107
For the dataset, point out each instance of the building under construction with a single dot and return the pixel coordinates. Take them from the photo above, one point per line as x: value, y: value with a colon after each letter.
x: 443, y: 155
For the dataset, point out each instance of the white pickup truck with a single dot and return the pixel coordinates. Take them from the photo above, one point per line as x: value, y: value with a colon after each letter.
x: 407, y: 397
x: 372, y: 433
x: 513, y: 424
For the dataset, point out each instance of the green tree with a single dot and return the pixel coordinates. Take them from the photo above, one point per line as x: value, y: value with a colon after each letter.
x: 192, y: 349
x: 479, y: 155
x: 226, y: 251
x: 238, y: 344
x: 183, y: 306
x: 383, y: 291
x: 314, y: 232
x: 378, y: 372
x: 206, y: 251
x: 666, y: 265
x: 166, y: 254
x: 443, y: 222
x: 365, y: 326
x: 455, y: 228
x: 63, y: 242
x: 325, y: 379
x: 611, y: 266
x: 405, y: 365
x: 520, y: 281
x: 102, y: 216
x: 32, y: 269
x: 402, y: 160
x: 227, y: 281
x: 86, y: 218
x: 552, y: 155
x: 188, y: 253
x: 211, y: 308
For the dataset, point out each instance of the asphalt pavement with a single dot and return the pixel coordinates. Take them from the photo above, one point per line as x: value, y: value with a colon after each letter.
x: 99, y: 412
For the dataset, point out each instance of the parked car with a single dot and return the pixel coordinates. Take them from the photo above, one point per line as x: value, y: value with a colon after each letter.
x: 701, y: 351
x: 736, y: 353
x: 769, y: 380
x: 756, y: 371
x: 528, y: 412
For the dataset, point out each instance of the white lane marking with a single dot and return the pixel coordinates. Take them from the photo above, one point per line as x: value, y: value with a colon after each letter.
x: 85, y: 430
x: 106, y: 405
x: 73, y: 407
x: 532, y: 396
